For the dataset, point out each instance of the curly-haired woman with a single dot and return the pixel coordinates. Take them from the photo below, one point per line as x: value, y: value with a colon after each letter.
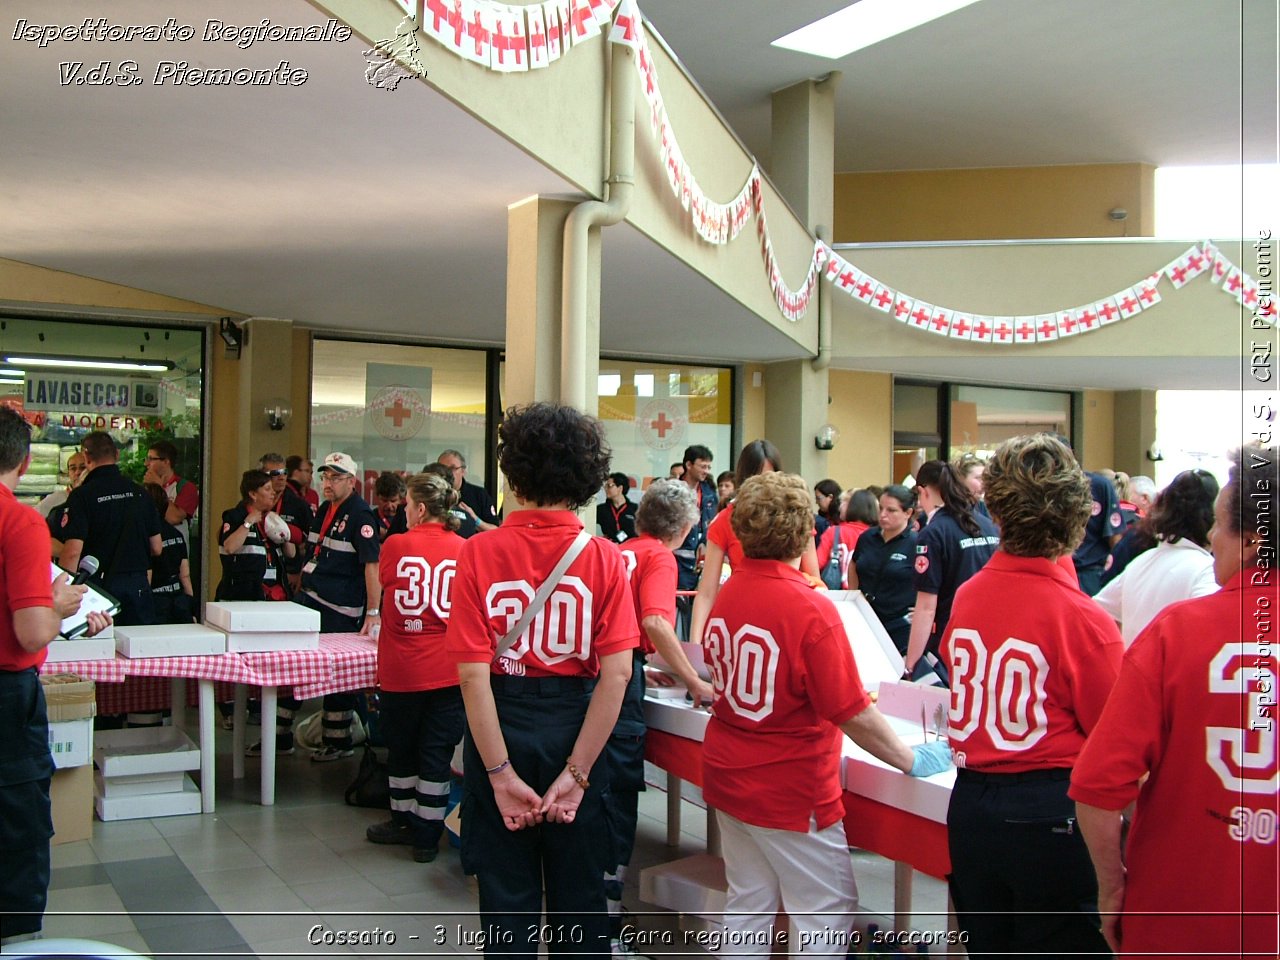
x: 540, y: 712
x: 1032, y: 659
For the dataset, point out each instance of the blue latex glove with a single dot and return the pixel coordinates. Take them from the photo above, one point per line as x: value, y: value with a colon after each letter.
x: 931, y: 758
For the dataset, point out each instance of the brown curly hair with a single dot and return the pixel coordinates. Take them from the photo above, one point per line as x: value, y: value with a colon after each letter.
x: 1038, y: 495
x: 773, y: 516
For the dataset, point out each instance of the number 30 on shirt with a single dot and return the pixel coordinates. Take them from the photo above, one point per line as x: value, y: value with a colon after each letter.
x: 744, y: 667
x: 1001, y: 691
x: 560, y: 631
x: 423, y: 586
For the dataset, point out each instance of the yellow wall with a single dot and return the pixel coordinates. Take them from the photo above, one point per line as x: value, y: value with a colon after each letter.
x: 1098, y: 427
x: 862, y: 410
x: 1000, y: 203
x: 752, y: 402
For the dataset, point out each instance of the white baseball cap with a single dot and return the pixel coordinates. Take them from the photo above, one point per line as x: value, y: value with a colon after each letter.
x: 339, y: 462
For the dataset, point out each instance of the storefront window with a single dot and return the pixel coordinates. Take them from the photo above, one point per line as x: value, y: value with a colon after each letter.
x: 984, y: 417
x: 397, y: 407
x: 653, y: 411
x: 140, y: 384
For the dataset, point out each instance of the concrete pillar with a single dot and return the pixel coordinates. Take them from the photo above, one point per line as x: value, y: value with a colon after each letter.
x: 795, y: 407
x: 1135, y: 430
x: 803, y: 148
x: 266, y: 377
x: 535, y: 258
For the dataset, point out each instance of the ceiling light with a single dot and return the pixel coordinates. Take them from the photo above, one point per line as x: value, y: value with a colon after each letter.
x: 90, y: 363
x: 863, y: 24
x: 11, y: 372
x: 9, y: 382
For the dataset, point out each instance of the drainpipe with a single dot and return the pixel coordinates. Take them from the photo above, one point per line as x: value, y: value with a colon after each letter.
x: 823, y: 290
x: 590, y: 214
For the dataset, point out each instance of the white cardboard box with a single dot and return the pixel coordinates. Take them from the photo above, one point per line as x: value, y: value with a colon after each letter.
x: 144, y: 750
x: 248, y: 616
x: 71, y: 742
x: 265, y: 641
x: 185, y: 801
x: 94, y: 648
x: 676, y: 716
x: 169, y: 640
x: 138, y: 785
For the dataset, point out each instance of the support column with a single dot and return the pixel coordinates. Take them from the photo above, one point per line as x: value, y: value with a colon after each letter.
x: 795, y: 407
x: 535, y: 260
x: 266, y: 375
x: 1135, y: 431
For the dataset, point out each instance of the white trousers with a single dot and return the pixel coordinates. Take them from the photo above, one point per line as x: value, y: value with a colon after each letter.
x: 809, y: 875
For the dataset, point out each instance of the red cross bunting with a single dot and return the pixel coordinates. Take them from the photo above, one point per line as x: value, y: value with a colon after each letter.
x: 883, y: 297
x: 1067, y: 324
x: 846, y: 279
x: 864, y: 290
x: 1002, y: 331
x: 1147, y: 295
x: 1178, y: 274
x: 900, y: 309
x: 1233, y: 282
x: 1107, y: 312
x: 579, y: 19
x: 458, y: 24
x: 960, y: 328
x: 920, y: 317
x: 981, y: 331
x: 439, y: 13
x: 1195, y: 261
x: 1025, y: 331
x: 477, y: 32
x: 1087, y: 319
x: 940, y: 321
x: 1128, y: 305
x: 1046, y: 329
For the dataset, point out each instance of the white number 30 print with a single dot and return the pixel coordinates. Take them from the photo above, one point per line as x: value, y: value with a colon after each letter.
x: 1001, y: 690
x: 1244, y: 759
x: 424, y: 587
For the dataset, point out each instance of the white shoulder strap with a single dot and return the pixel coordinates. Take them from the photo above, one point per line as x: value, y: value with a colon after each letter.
x: 543, y: 592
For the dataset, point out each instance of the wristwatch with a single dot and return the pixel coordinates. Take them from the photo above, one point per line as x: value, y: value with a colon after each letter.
x: 375, y: 612
x: 248, y: 524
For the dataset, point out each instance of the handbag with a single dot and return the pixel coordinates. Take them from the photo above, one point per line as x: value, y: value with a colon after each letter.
x: 371, y: 787
x: 832, y: 575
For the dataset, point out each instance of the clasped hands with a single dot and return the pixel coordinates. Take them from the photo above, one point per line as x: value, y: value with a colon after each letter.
x: 521, y: 806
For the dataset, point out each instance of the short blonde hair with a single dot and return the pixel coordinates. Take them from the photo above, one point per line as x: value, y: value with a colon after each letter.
x: 1038, y: 495
x: 773, y: 516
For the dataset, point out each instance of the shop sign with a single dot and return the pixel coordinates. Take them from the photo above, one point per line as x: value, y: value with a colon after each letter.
x: 104, y: 395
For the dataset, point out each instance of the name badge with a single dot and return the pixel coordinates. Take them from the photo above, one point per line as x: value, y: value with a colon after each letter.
x: 620, y: 536
x: 309, y: 567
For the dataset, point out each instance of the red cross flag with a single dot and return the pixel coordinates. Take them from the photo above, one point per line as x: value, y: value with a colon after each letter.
x: 1066, y: 323
x: 982, y: 328
x: 1024, y: 329
x: 1087, y: 318
x: 961, y: 326
x: 864, y: 289
x: 1186, y: 268
x: 557, y: 38
x: 1129, y: 302
x: 537, y: 33
x: 919, y: 315
x: 847, y: 278
x: 445, y: 21
x: 1249, y: 293
x: 835, y: 264
x: 582, y: 21
x: 481, y: 19
x: 603, y: 10
x: 508, y: 49
x: 1213, y: 261
x: 1046, y: 327
x: 940, y: 322
x: 1107, y: 310
x: 882, y: 299
x: 902, y: 307
x: 626, y: 25
x: 1147, y: 292
x: 1002, y: 329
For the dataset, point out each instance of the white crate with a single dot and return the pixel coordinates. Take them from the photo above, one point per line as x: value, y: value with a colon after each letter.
x: 676, y: 716
x: 94, y: 648
x: 71, y: 742
x: 138, y: 785
x: 267, y: 642
x: 144, y: 750
x: 169, y: 640
x: 185, y: 801
x: 248, y: 616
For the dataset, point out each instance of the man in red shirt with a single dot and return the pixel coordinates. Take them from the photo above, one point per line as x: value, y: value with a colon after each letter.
x: 31, y: 610
x: 787, y: 689
x: 1190, y: 733
x: 1032, y: 660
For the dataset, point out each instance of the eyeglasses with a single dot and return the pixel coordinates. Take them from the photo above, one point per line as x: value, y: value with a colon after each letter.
x: 153, y: 459
x: 275, y: 473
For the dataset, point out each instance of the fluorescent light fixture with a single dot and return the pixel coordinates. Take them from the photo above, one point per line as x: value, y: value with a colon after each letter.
x: 6, y: 381
x: 865, y: 23
x: 11, y: 372
x: 90, y: 363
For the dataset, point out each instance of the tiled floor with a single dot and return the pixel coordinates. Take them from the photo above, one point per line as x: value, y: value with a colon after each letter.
x: 256, y: 881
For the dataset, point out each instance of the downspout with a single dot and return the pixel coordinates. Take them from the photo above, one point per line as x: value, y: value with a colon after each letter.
x: 618, y: 189
x: 823, y: 290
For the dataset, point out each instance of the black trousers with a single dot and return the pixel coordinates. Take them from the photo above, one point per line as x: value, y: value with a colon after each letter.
x: 337, y: 708
x: 134, y: 593
x: 422, y: 729
x: 1021, y: 877
x: 25, y: 820
x: 540, y: 720
x: 625, y: 752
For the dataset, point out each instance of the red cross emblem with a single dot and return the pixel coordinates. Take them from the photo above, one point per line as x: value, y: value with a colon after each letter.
x: 960, y: 328
x: 1195, y: 262
x: 1047, y: 329
x: 1025, y: 331
x: 920, y: 317
x: 477, y: 32
x: 662, y: 425
x: 1178, y: 275
x: 1233, y: 283
x: 458, y: 24
x: 1250, y: 296
x: 579, y: 19
x: 1128, y: 305
x: 398, y: 412
x: 901, y: 308
x: 865, y: 290
x: 1087, y: 318
x: 940, y: 321
x: 627, y: 24
x: 981, y: 331
x: 439, y: 14
x: 1107, y: 312
x: 883, y: 297
x: 1067, y: 324
x: 1002, y: 331
x: 1147, y: 295
x: 846, y: 279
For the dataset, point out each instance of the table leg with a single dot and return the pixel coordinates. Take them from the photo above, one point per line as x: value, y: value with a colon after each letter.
x: 674, y: 785
x: 178, y: 703
x: 268, y: 746
x: 207, y: 713
x: 237, y: 731
x: 713, y: 833
x: 903, y: 876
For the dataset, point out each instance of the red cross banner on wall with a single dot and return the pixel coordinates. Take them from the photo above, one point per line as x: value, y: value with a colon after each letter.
x: 662, y: 423
x: 397, y: 412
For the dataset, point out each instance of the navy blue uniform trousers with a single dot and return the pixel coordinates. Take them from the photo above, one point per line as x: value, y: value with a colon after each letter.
x: 540, y: 719
x: 25, y: 820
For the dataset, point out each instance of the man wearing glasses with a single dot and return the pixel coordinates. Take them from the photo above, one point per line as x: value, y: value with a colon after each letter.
x: 340, y: 580
x: 292, y: 509
x: 478, y: 512
x: 184, y: 496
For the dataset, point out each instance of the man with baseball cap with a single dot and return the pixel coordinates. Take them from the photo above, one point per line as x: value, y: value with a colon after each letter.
x: 340, y: 580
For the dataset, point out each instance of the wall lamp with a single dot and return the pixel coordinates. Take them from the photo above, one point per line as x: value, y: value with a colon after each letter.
x: 233, y: 335
x: 87, y: 363
x: 826, y: 437
x: 278, y: 413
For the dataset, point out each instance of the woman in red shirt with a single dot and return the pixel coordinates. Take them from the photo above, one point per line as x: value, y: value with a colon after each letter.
x: 419, y: 697
x: 858, y: 514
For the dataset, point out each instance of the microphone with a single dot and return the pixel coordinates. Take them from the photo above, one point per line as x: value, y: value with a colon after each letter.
x: 88, y: 567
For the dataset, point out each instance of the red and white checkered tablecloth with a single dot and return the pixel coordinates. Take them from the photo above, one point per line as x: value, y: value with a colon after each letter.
x: 344, y: 661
